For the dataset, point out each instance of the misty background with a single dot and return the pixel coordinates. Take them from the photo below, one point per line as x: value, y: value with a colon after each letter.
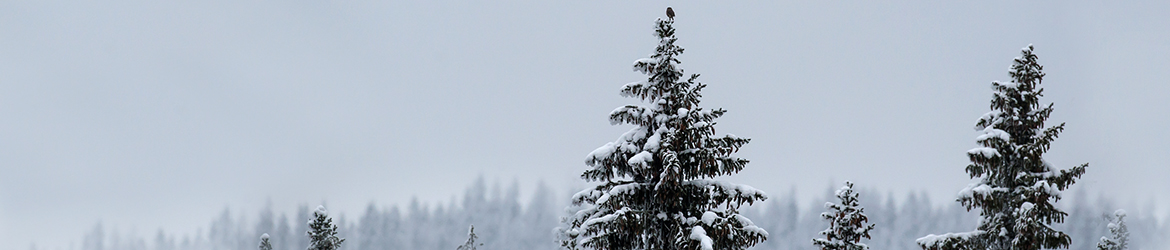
x: 147, y: 116
x: 502, y: 221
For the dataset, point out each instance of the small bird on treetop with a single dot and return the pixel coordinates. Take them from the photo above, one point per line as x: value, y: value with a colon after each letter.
x: 669, y: 13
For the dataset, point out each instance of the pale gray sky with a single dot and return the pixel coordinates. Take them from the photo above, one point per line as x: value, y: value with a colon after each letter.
x: 158, y: 114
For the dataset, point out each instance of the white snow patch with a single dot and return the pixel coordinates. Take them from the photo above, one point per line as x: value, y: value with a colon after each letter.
x: 709, y: 218
x: 600, y: 153
x: 750, y: 226
x: 1010, y: 85
x: 991, y: 132
x: 641, y: 160
x: 729, y: 188
x: 935, y: 240
x: 652, y: 143
x: 645, y: 60
x: 697, y: 233
x: 984, y: 151
x: 320, y: 210
x: 605, y: 219
x: 978, y: 188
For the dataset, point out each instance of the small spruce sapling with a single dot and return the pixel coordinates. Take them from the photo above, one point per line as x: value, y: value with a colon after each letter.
x: 471, y: 237
x: 847, y: 222
x: 264, y: 244
x: 322, y: 232
x: 1119, y: 234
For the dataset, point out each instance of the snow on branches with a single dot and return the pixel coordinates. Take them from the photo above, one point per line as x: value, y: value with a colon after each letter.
x: 471, y: 238
x: 1015, y: 189
x: 656, y: 189
x: 1119, y: 233
x: 322, y: 232
x: 264, y: 243
x: 847, y: 222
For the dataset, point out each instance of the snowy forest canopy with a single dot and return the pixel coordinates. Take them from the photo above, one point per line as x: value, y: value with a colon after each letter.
x: 503, y: 221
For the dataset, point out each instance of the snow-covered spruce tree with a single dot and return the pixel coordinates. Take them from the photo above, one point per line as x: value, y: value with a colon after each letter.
x: 1015, y: 189
x: 657, y: 189
x: 1119, y: 239
x: 322, y: 232
x: 846, y: 223
x: 471, y: 238
x: 264, y: 244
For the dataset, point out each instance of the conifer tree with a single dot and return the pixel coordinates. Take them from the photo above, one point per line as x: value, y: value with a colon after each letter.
x: 471, y: 238
x: 847, y: 223
x: 1015, y: 188
x: 322, y: 232
x: 657, y: 189
x: 264, y: 244
x: 1119, y: 234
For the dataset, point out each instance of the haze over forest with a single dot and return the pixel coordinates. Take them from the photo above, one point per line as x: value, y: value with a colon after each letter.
x: 503, y: 220
x: 133, y: 117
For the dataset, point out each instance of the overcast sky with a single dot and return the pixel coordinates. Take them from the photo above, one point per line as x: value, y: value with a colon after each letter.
x: 159, y: 114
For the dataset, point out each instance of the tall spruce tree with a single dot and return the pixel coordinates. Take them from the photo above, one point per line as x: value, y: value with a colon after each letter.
x: 657, y: 189
x: 1015, y: 189
x: 847, y: 222
x: 322, y: 232
x: 1119, y: 234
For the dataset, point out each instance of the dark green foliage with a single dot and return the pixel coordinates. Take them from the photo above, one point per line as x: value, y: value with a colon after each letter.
x: 1016, y: 190
x: 656, y: 190
x: 264, y: 244
x: 322, y: 232
x: 847, y: 223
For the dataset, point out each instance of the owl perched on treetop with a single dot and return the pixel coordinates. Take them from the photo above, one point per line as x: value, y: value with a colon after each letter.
x: 669, y: 13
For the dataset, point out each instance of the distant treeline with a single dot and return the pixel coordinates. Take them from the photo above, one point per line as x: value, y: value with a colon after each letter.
x: 503, y: 223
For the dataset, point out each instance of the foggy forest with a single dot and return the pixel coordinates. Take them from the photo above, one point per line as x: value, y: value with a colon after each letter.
x: 420, y: 116
x: 503, y: 221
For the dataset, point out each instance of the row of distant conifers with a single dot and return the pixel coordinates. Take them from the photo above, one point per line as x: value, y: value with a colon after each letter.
x: 502, y: 221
